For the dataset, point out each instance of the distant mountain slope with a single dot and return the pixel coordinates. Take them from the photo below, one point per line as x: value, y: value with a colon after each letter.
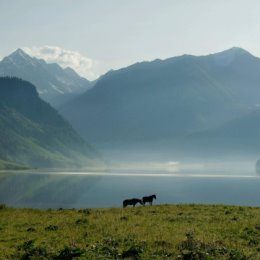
x: 53, y: 83
x: 34, y: 134
x: 169, y: 99
x: 240, y: 136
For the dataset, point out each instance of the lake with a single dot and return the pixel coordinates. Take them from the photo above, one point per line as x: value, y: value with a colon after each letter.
x: 39, y: 189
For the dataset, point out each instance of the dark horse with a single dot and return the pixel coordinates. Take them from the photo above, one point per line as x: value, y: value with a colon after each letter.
x: 131, y: 202
x: 149, y: 199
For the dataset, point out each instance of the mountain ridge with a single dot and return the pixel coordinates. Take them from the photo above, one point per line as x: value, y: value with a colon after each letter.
x: 169, y: 99
x: 34, y: 134
x: 52, y: 82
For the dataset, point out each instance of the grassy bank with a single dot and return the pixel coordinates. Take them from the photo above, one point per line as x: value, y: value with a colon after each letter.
x: 152, y: 232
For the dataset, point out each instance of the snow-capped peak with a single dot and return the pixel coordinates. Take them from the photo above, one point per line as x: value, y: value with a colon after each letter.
x: 20, y: 57
x: 19, y: 53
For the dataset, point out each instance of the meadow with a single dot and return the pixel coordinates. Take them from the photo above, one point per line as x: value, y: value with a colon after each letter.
x: 185, y: 232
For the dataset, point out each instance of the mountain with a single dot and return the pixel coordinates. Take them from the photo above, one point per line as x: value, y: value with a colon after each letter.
x: 238, y: 136
x: 33, y: 134
x: 166, y: 100
x: 54, y: 84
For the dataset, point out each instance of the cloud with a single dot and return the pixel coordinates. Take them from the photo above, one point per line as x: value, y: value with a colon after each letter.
x: 84, y: 66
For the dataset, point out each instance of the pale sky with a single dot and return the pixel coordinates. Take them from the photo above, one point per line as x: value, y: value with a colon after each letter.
x: 95, y: 36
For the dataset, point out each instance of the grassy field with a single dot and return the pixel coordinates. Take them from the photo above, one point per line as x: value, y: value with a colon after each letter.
x: 187, y: 232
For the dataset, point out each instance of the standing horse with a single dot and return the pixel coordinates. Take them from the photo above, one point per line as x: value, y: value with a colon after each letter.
x: 133, y: 202
x: 149, y: 199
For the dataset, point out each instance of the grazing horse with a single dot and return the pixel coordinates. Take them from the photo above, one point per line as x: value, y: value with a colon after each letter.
x: 133, y: 202
x: 149, y: 199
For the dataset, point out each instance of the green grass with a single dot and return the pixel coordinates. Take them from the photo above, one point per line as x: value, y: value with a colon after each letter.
x: 187, y: 232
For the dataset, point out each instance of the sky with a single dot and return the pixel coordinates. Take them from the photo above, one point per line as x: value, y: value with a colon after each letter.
x: 94, y: 36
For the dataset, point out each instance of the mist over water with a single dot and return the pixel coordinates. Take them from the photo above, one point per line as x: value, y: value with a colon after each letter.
x: 174, y: 183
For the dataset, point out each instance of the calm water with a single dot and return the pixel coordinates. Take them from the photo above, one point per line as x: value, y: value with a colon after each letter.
x: 87, y: 190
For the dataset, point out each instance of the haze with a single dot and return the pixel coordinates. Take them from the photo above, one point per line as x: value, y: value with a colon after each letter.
x: 113, y: 34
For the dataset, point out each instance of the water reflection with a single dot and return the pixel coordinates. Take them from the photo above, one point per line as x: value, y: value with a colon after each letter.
x: 44, y: 190
x: 74, y: 190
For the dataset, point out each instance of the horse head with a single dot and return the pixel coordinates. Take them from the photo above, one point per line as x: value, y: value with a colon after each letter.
x: 141, y: 202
